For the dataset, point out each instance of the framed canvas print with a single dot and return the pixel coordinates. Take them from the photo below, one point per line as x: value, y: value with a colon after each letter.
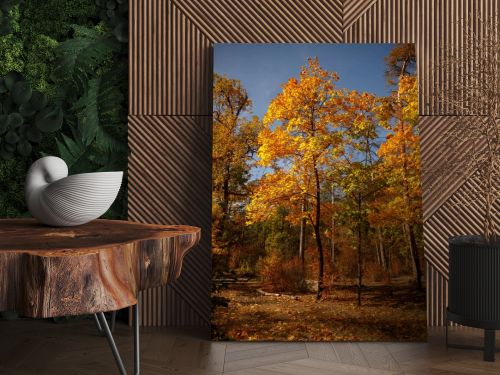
x: 316, y: 195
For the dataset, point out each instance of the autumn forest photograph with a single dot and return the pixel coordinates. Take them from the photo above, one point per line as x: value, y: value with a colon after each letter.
x: 317, y: 230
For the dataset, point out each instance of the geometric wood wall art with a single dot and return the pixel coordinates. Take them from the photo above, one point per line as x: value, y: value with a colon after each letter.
x: 171, y: 165
x: 170, y: 108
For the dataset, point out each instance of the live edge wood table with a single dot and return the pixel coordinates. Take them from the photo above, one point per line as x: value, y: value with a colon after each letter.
x: 89, y: 269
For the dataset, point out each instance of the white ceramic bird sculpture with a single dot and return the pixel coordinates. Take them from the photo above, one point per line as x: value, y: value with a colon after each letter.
x: 56, y: 199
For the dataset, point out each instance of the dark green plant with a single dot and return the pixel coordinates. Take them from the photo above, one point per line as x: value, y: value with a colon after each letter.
x: 80, y: 58
x: 55, y: 18
x: 89, y: 73
x: 115, y: 14
x: 12, y: 175
x: 11, y: 46
x: 97, y: 128
x: 24, y: 116
x: 6, y: 8
x: 75, y: 56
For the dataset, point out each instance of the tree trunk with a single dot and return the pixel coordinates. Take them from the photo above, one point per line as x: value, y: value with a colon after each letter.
x: 317, y: 234
x: 381, y: 249
x: 389, y: 268
x: 407, y: 227
x: 302, y: 235
x: 414, y: 253
x: 360, y: 273
x: 332, y: 251
x: 225, y: 198
x: 224, y: 205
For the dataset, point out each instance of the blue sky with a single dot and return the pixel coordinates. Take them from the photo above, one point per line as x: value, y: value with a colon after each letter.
x: 262, y: 68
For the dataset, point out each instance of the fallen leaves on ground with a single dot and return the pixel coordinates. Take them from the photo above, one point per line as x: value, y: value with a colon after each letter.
x: 399, y: 315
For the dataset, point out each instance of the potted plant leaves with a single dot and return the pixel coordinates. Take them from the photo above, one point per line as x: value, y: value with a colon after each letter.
x: 470, y: 149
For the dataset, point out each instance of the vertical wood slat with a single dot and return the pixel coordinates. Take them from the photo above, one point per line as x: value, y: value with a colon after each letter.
x: 437, y: 296
x: 170, y: 66
x: 441, y: 27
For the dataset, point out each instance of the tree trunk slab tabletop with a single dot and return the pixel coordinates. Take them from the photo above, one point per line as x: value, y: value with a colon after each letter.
x: 100, y: 266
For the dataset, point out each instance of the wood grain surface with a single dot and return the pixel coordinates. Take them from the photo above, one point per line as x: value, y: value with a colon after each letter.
x: 99, y: 266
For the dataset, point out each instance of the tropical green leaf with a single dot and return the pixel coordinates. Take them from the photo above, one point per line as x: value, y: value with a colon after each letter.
x: 21, y: 92
x: 8, y: 105
x: 98, y: 114
x: 14, y: 120
x: 49, y: 119
x: 120, y: 31
x: 74, y: 152
x: 11, y: 137
x: 4, y: 154
x: 11, y: 78
x: 9, y: 147
x: 24, y: 148
x: 3, y: 88
x: 3, y: 123
x: 27, y: 110
x: 33, y: 134
x: 80, y: 56
x: 38, y: 100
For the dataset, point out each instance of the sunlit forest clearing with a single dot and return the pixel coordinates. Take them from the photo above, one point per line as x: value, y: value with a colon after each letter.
x: 325, y: 241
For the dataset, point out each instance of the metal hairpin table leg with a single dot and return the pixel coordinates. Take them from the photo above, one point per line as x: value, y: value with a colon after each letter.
x: 98, y: 325
x: 101, y: 319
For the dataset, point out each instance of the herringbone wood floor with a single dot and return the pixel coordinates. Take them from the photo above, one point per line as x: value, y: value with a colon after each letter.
x: 43, y: 348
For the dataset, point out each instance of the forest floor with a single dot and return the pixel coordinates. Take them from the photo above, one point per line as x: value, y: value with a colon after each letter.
x: 394, y: 313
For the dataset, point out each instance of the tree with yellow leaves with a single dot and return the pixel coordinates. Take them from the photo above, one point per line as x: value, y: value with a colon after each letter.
x: 234, y: 144
x: 299, y: 142
x: 359, y: 182
x: 400, y: 163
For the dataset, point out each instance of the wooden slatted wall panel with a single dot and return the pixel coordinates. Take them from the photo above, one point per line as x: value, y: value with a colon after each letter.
x: 171, y: 51
x: 264, y: 21
x: 170, y: 62
x: 437, y: 295
x: 382, y: 21
x: 170, y: 165
x: 441, y: 25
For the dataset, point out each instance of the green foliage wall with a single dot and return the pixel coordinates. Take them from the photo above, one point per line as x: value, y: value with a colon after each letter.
x: 63, y: 91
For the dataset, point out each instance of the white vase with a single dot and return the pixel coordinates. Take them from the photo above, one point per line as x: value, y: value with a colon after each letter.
x: 56, y: 199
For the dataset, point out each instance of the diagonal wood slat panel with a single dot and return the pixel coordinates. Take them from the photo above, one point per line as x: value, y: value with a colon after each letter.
x: 264, y: 21
x: 165, y: 307
x: 443, y: 215
x: 453, y: 218
x: 380, y: 21
x: 433, y: 156
x: 353, y: 10
x: 171, y: 166
x: 450, y: 219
